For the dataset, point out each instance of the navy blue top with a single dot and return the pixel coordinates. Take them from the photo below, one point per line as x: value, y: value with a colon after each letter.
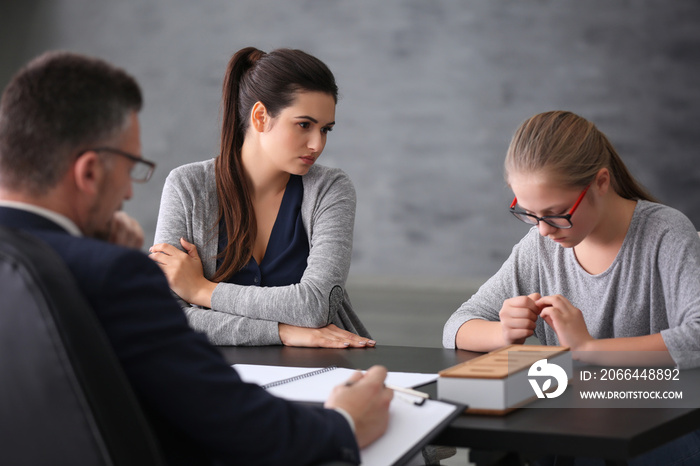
x: 287, y: 250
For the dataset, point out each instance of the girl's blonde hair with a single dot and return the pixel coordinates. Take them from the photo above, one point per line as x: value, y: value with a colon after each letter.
x: 573, y: 149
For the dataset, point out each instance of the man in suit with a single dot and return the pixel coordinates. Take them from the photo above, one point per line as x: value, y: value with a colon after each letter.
x: 69, y: 150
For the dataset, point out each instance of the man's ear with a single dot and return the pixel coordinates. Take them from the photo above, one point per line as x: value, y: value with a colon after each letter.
x: 259, y: 117
x: 87, y: 172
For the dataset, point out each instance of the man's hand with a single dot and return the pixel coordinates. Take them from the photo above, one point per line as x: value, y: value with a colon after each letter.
x: 125, y: 231
x: 329, y: 336
x: 366, y: 400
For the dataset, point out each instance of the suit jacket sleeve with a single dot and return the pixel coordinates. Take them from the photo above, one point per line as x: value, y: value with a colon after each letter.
x: 183, y: 379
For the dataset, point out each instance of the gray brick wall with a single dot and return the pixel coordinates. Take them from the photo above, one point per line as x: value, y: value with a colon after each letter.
x: 431, y: 92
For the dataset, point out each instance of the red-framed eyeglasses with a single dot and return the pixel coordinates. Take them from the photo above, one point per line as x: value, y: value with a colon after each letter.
x: 557, y: 221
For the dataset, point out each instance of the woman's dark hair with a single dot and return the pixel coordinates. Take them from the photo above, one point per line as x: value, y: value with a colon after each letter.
x: 572, y: 148
x: 273, y: 79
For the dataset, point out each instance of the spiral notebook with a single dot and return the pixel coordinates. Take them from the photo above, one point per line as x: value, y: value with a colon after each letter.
x: 314, y: 384
x: 411, y: 427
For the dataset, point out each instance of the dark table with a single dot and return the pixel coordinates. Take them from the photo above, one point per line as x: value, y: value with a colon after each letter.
x: 612, y: 434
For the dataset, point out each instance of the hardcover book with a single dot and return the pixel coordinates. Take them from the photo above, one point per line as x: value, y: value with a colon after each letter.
x: 507, y: 378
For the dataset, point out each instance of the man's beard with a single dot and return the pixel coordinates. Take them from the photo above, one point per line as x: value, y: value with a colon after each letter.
x: 101, y: 232
x: 101, y: 235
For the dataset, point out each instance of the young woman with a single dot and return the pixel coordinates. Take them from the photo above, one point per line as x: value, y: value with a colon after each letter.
x: 604, y: 268
x: 257, y: 242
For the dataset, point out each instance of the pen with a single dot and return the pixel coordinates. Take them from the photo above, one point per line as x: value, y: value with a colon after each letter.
x: 407, y: 391
x: 411, y: 392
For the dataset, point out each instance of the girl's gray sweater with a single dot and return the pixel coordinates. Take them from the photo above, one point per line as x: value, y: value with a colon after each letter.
x: 652, y: 286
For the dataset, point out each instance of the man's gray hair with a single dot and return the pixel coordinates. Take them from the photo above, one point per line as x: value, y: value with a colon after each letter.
x: 59, y: 104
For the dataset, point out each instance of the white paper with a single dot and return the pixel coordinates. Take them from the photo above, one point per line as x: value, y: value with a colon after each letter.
x: 318, y: 387
x: 408, y: 423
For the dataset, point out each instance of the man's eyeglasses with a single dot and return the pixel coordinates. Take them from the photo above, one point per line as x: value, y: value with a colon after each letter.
x: 141, y: 171
x: 557, y: 221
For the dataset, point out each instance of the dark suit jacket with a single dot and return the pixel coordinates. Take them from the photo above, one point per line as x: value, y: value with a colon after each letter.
x: 201, y: 410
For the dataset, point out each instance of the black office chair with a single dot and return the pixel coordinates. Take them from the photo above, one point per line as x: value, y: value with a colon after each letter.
x: 64, y: 398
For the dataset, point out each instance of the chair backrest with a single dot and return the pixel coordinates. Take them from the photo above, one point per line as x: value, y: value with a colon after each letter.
x: 64, y: 398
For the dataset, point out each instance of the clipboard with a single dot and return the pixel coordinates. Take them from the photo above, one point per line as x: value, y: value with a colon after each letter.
x: 411, y: 426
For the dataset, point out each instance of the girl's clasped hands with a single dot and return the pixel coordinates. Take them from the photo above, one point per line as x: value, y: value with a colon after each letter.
x: 519, y: 316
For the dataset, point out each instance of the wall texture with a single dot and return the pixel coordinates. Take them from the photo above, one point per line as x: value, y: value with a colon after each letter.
x: 431, y: 92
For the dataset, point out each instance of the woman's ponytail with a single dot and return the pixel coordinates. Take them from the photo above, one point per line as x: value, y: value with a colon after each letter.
x: 232, y: 183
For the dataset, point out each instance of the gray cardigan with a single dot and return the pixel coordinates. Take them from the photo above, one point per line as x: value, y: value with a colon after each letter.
x: 248, y: 315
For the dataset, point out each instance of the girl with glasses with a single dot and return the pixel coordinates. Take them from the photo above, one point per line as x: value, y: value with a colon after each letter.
x: 257, y: 242
x: 604, y: 268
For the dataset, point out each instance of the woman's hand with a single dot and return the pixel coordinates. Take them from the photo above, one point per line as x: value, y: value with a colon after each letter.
x: 566, y: 321
x: 518, y: 318
x: 184, y: 272
x: 329, y: 336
